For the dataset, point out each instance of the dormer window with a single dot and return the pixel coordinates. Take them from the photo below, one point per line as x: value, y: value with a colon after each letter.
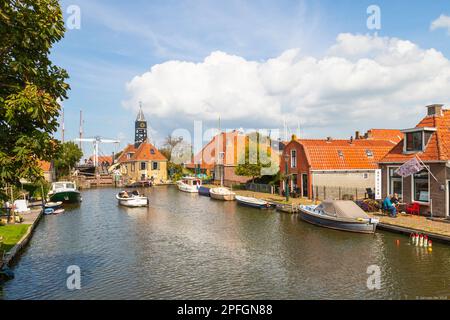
x: 417, y: 139
x: 413, y: 141
x: 129, y: 155
x: 369, y: 153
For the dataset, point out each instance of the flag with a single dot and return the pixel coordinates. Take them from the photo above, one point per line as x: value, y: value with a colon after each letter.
x: 409, y: 168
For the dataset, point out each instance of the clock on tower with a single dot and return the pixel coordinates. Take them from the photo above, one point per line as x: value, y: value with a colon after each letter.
x: 140, y: 129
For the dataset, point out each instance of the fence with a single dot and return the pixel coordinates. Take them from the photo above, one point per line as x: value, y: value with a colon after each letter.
x: 339, y: 193
x: 256, y: 187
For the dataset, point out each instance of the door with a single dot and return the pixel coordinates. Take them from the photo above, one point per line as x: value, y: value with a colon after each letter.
x: 305, y: 185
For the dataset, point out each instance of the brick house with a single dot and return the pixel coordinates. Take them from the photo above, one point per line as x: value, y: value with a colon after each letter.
x: 327, y: 168
x: 219, y: 157
x: 430, y: 142
x: 222, y: 154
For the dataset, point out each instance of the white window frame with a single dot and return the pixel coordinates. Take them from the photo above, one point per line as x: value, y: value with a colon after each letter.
x: 388, y: 179
x: 429, y: 189
x: 294, y: 163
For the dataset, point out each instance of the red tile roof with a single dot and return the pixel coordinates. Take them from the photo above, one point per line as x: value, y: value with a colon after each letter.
x: 438, y: 147
x: 393, y: 135
x: 142, y: 153
x: 45, y: 165
x: 325, y: 154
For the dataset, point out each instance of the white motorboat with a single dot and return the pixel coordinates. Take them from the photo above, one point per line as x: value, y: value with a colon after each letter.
x: 222, y: 194
x: 189, y: 184
x: 253, y: 202
x: 133, y: 199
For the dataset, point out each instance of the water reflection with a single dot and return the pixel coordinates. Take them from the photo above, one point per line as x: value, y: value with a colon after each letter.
x: 189, y: 246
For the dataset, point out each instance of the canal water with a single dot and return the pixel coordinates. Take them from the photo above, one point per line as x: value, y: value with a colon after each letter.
x: 187, y: 246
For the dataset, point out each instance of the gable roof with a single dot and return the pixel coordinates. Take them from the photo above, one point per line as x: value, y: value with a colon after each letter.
x: 324, y: 154
x: 437, y: 148
x: 145, y: 152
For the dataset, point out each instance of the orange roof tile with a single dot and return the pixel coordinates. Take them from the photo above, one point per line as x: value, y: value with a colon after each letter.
x: 344, y: 154
x: 393, y: 135
x: 45, y: 165
x: 438, y: 147
x: 145, y: 152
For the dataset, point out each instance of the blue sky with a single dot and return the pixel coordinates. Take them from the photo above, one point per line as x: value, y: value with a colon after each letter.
x: 120, y: 40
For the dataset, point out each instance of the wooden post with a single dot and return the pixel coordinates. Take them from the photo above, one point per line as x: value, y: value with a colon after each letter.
x: 339, y: 193
x: 324, y: 193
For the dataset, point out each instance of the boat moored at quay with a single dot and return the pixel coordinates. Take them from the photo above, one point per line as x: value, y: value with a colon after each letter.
x: 189, y: 184
x: 64, y: 191
x: 222, y: 194
x: 340, y: 215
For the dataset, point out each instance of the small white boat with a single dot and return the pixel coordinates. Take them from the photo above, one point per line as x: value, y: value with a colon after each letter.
x: 252, y: 202
x: 222, y: 194
x: 189, y: 184
x: 132, y: 200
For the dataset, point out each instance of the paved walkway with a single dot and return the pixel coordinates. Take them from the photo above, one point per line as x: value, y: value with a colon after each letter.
x: 420, y: 224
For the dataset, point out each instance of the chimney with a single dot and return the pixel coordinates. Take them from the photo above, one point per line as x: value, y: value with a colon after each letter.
x: 368, y: 134
x: 329, y: 139
x: 351, y: 139
x: 435, y: 110
x: 357, y: 135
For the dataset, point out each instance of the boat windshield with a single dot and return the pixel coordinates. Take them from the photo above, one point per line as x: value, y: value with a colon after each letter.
x: 70, y: 186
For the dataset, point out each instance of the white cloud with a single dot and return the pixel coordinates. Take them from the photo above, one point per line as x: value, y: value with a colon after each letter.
x: 363, y: 81
x: 443, y: 22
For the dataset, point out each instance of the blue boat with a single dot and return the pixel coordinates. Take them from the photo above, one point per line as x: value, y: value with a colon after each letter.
x: 204, y: 191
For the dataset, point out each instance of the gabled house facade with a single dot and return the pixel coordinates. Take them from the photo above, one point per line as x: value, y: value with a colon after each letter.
x: 316, y: 165
x: 223, y: 153
x: 142, y: 163
x: 429, y: 142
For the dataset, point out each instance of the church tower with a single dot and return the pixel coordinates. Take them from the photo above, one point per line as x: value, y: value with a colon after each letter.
x: 140, y: 128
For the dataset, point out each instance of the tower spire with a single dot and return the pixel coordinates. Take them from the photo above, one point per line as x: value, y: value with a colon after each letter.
x: 140, y: 128
x: 140, y: 116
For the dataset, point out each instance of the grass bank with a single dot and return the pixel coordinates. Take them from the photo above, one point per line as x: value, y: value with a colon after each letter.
x: 11, y: 235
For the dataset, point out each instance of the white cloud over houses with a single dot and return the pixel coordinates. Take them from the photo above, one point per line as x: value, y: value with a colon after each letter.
x: 362, y: 81
x: 443, y: 22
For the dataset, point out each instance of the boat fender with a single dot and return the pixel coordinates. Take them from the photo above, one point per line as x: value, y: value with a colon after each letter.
x: 421, y: 240
x: 425, y: 241
x: 416, y: 241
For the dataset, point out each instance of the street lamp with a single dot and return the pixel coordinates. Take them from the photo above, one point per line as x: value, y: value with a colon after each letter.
x: 286, y: 183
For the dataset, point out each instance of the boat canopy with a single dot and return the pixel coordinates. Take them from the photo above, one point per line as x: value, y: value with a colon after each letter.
x: 342, y: 209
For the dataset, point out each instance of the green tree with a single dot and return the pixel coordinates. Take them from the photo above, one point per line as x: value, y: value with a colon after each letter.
x: 68, y: 156
x: 30, y: 86
x: 252, y: 164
